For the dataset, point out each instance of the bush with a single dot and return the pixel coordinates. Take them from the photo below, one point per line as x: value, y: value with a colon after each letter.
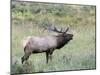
x: 44, y: 23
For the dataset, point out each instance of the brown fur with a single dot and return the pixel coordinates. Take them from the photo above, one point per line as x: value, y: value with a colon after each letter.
x: 45, y: 44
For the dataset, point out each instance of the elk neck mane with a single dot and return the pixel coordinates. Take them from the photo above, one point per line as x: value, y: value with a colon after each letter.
x: 61, y: 41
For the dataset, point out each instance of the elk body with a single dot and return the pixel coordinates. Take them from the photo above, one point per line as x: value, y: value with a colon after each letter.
x: 45, y: 44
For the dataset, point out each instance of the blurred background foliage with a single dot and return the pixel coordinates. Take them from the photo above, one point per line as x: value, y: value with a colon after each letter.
x: 42, y: 14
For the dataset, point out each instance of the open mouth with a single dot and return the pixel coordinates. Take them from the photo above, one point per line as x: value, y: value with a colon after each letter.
x: 71, y: 38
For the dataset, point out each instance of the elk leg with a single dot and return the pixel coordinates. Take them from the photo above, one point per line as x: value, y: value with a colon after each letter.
x: 22, y: 59
x: 25, y: 57
x: 50, y: 57
x: 47, y: 55
x: 50, y: 54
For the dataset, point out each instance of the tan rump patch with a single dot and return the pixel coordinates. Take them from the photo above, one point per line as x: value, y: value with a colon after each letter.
x: 26, y: 40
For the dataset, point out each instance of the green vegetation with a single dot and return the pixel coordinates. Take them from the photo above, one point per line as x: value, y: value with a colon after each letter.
x: 29, y: 19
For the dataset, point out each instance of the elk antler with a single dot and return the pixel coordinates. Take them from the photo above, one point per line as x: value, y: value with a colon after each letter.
x: 66, y: 30
x: 55, y: 30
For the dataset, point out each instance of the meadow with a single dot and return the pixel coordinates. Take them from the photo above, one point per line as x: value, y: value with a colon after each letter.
x: 30, y: 19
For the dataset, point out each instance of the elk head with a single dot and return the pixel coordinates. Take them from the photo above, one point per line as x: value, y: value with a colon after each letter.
x: 63, y: 37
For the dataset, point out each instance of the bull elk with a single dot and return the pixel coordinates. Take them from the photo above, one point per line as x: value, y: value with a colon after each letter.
x: 46, y: 44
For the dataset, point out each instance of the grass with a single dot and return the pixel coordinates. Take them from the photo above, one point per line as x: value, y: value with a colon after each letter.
x: 76, y: 55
